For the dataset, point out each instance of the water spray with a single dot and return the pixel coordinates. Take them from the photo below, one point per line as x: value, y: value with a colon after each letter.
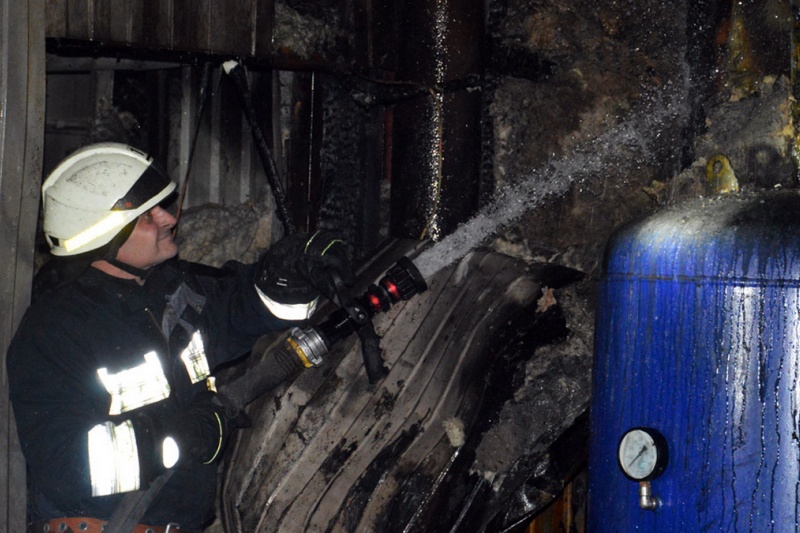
x: 305, y: 347
x: 623, y: 148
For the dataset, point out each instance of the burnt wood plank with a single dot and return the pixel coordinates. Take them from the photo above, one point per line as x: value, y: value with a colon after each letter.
x: 280, y: 433
x: 231, y: 26
x: 329, y: 452
x: 429, y: 395
x: 158, y: 23
x: 101, y: 15
x: 22, y: 85
x: 56, y: 18
x: 264, y: 23
x: 335, y: 414
x: 80, y: 19
x: 192, y: 29
x: 120, y: 20
x: 134, y: 25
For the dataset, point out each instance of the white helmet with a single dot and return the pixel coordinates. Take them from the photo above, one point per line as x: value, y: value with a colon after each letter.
x: 97, y: 191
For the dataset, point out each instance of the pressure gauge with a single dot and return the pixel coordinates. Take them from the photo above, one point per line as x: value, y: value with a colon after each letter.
x: 642, y: 454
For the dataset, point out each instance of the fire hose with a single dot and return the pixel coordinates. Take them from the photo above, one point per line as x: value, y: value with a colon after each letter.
x: 301, y: 348
x: 305, y: 347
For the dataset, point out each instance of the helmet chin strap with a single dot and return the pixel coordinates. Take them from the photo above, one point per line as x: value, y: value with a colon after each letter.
x: 130, y: 269
x: 110, y: 251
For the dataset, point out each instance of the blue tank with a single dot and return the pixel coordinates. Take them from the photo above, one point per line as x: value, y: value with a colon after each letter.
x: 697, y: 365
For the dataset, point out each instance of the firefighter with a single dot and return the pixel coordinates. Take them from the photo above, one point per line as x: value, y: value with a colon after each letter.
x: 111, y: 369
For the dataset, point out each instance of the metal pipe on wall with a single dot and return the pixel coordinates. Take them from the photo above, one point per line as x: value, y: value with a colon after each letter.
x: 437, y: 139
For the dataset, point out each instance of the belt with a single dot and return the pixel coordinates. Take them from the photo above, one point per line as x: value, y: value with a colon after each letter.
x: 92, y: 525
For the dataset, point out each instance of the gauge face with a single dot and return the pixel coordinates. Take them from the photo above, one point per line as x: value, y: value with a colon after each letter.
x: 642, y: 454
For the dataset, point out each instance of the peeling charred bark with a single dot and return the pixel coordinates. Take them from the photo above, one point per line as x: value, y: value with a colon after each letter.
x: 462, y: 430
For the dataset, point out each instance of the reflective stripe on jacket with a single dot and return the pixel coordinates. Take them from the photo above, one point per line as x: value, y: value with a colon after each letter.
x: 88, y: 357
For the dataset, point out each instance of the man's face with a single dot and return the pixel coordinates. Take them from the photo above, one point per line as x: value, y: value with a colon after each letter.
x: 150, y: 242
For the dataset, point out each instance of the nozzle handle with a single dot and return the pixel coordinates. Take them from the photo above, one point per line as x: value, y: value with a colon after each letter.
x: 371, y: 352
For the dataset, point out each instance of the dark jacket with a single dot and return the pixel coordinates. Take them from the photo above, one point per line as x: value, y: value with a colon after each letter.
x: 100, y: 325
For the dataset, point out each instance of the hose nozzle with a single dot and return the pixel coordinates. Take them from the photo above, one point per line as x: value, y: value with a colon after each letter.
x: 401, y: 282
x: 305, y: 348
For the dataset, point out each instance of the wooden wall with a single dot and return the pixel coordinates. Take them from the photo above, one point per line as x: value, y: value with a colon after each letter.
x: 287, y: 80
x: 181, y: 126
x: 21, y: 125
x: 240, y: 27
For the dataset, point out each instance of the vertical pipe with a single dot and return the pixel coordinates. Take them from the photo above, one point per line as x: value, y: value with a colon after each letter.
x: 214, y: 153
x: 376, y: 39
x: 302, y: 165
x: 437, y: 138
x: 185, y: 126
x: 795, y: 84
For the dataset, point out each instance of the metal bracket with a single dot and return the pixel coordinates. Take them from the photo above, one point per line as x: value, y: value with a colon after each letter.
x: 647, y: 501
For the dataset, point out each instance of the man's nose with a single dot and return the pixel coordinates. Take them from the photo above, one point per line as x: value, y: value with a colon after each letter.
x: 163, y: 217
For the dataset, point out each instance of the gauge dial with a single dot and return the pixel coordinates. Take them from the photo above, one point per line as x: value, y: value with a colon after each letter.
x: 642, y: 454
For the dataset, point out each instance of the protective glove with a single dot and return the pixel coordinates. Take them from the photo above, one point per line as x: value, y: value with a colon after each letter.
x: 297, y: 268
x: 202, y: 430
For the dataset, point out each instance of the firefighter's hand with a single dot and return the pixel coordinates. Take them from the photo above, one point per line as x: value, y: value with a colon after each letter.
x: 326, y: 261
x: 296, y: 269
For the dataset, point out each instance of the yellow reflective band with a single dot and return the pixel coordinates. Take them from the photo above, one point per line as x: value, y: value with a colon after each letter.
x: 113, y: 459
x: 299, y: 351
x: 170, y: 453
x: 135, y: 387
x: 288, y: 311
x: 329, y: 246
x: 219, y: 443
x: 114, y: 220
x: 308, y: 243
x: 194, y: 359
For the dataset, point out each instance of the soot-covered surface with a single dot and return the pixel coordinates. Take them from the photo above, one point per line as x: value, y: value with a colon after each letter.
x: 441, y: 443
x: 597, y: 113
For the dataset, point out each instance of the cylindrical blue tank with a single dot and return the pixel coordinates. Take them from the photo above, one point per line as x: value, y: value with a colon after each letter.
x: 698, y: 338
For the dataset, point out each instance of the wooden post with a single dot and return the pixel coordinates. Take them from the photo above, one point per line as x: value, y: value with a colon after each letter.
x: 21, y: 139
